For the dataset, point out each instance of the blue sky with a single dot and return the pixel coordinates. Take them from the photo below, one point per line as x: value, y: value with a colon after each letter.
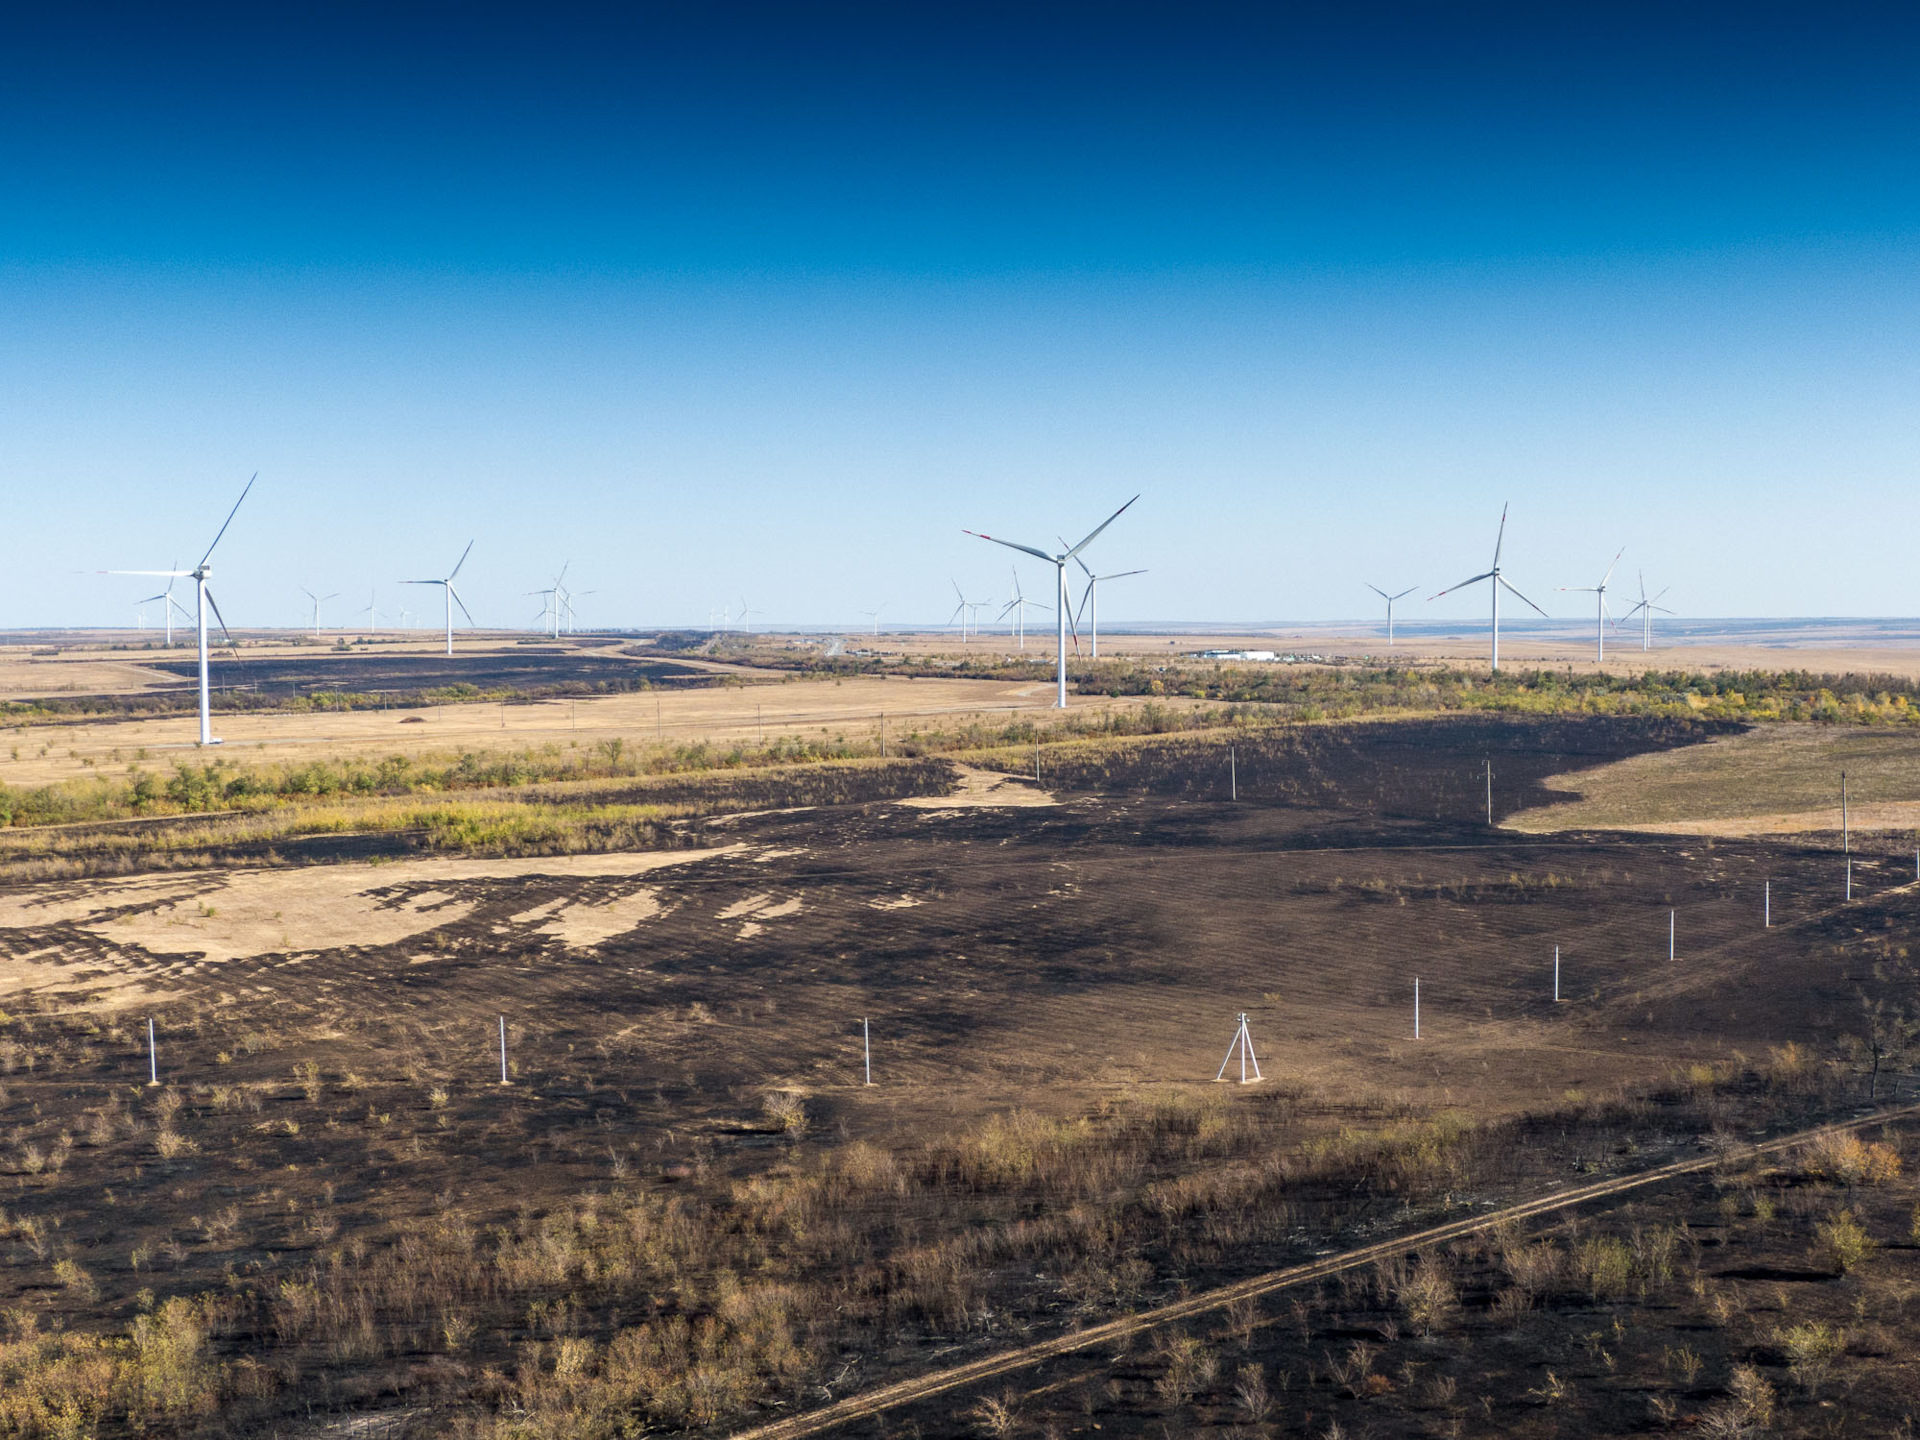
x: 771, y: 303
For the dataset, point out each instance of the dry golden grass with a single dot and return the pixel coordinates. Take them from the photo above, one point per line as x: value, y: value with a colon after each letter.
x: 1775, y: 779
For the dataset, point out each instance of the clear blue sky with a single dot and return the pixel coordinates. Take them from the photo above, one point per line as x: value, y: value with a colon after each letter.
x: 773, y: 301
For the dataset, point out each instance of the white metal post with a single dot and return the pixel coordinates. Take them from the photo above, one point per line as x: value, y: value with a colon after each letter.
x: 1233, y: 772
x: 1846, y: 833
x: 503, y: 1050
x: 1416, y: 1007
x: 1766, y: 907
x: 1489, y: 790
x: 200, y: 626
x: 866, y: 1045
x: 1670, y: 915
x: 153, y: 1057
x: 1849, y: 877
x: 1556, y: 974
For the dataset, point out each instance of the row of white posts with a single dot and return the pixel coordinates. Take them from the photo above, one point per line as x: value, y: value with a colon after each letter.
x: 1242, y: 1039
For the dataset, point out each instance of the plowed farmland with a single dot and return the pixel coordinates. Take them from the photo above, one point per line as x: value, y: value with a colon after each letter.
x: 357, y: 1213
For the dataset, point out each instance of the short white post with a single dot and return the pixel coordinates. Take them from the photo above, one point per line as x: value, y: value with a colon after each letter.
x: 1849, y: 877
x: 1766, y: 907
x: 1489, y: 790
x: 1416, y: 1007
x: 1036, y: 759
x: 503, y: 1050
x: 1670, y: 915
x: 1846, y: 832
x: 153, y: 1057
x: 866, y: 1045
x: 1233, y: 773
x: 1556, y: 974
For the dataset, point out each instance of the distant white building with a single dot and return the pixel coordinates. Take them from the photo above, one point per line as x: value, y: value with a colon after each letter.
x: 1267, y: 655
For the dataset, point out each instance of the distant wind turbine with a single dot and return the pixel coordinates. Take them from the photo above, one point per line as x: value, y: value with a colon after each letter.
x: 372, y: 614
x: 1018, y: 606
x: 1390, y: 599
x: 1495, y: 580
x: 452, y: 596
x: 746, y: 617
x: 318, y: 601
x: 1059, y: 563
x: 203, y: 599
x: 1600, y: 616
x: 1090, y: 602
x: 168, y: 604
x: 1645, y: 610
x: 874, y: 616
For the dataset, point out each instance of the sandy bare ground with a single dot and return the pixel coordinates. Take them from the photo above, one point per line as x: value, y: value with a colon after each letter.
x: 983, y: 787
x: 164, y: 926
x: 768, y: 708
x: 1772, y: 780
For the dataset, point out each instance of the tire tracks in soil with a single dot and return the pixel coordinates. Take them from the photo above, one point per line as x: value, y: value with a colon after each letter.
x: 990, y: 1367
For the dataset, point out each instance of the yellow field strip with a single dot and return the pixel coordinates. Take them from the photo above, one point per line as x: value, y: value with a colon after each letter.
x: 907, y: 1392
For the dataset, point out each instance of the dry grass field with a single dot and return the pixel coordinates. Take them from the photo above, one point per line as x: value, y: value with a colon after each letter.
x: 686, y: 1211
x: 1771, y: 780
x: 752, y: 707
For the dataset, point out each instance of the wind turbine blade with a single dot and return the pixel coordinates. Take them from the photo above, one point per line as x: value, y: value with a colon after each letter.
x: 419, y: 582
x: 1401, y: 596
x: 308, y: 593
x: 1378, y: 591
x: 461, y: 603
x: 1657, y: 597
x: 1461, y: 586
x: 463, y: 559
x: 214, y: 605
x: 1027, y: 549
x: 1073, y: 624
x: 1101, y: 526
x: 1578, y: 589
x: 1609, y: 575
x: 1543, y: 614
x: 1076, y: 559
x: 1501, y: 538
x: 230, y: 514
x: 169, y: 574
x: 334, y: 596
x: 1122, y: 574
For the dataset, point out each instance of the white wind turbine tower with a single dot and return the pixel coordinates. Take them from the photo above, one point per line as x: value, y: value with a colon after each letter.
x: 1018, y: 607
x: 1600, y: 619
x: 371, y: 613
x: 1090, y: 601
x: 567, y: 597
x: 453, y: 595
x: 318, y: 601
x: 1390, y: 599
x: 203, y: 599
x: 746, y: 617
x: 874, y: 616
x: 1645, y: 610
x: 168, y: 604
x: 1495, y: 580
x: 960, y: 612
x: 550, y: 611
x: 1059, y: 563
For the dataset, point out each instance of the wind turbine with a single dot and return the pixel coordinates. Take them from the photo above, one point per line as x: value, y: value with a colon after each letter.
x: 453, y: 595
x: 746, y: 617
x: 1018, y: 607
x: 1059, y: 563
x: 1090, y: 601
x: 370, y: 612
x: 318, y: 601
x: 874, y: 616
x: 203, y: 599
x: 567, y: 597
x: 1390, y: 599
x: 1496, y: 580
x: 1600, y: 618
x: 1645, y: 611
x: 168, y: 604
x: 550, y: 612
x: 959, y: 611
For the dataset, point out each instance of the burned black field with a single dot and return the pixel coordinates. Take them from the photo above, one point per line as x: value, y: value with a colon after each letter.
x: 686, y: 1209
x: 530, y: 668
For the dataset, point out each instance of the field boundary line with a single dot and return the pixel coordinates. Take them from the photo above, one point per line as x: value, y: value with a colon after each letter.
x: 925, y: 1387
